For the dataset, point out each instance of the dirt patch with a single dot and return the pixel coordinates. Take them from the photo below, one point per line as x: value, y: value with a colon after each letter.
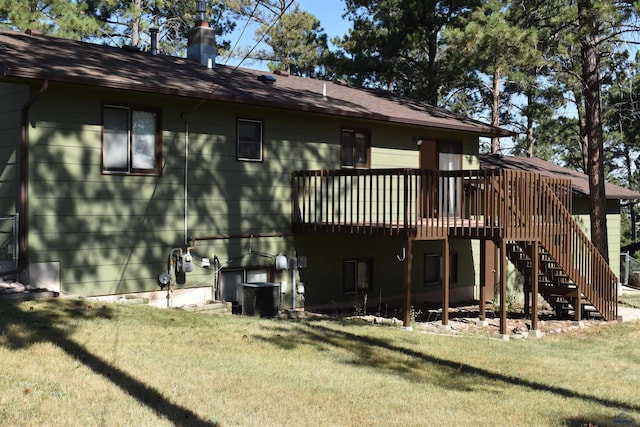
x: 465, y: 320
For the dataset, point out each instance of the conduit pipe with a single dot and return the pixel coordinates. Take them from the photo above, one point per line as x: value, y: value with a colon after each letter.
x: 24, y: 179
x: 186, y: 179
x: 240, y: 236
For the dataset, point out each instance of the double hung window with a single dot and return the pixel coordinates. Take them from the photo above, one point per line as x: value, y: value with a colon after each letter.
x: 131, y: 141
x: 249, y: 147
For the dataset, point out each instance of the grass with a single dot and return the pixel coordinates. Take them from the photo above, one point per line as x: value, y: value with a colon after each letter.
x: 73, y: 362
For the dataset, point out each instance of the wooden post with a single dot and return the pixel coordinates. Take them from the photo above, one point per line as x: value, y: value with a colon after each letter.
x: 578, y: 305
x: 407, y: 283
x: 445, y: 281
x: 503, y: 286
x: 535, y: 260
x: 483, y: 279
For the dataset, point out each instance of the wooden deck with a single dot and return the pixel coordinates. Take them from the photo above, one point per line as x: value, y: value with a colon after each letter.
x: 418, y: 204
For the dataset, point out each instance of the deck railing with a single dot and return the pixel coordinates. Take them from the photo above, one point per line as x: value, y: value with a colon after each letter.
x: 423, y: 203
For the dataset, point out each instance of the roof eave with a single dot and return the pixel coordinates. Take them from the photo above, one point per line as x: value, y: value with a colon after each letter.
x: 482, y: 130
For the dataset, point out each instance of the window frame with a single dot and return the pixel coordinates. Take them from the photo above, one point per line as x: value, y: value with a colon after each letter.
x: 130, y: 170
x: 353, y: 149
x: 354, y: 288
x: 260, y: 142
x: 453, y: 268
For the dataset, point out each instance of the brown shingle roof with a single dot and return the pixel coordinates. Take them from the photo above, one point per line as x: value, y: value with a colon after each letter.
x: 59, y: 60
x: 579, y: 181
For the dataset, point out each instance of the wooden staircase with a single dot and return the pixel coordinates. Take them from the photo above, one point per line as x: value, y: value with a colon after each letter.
x: 572, y: 275
x: 554, y: 285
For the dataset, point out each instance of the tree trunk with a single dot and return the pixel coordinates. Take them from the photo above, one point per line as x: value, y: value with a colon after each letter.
x: 495, y: 107
x: 530, y: 138
x: 589, y: 23
x: 135, y: 24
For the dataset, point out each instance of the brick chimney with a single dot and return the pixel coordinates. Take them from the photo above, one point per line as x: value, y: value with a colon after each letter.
x: 201, y: 44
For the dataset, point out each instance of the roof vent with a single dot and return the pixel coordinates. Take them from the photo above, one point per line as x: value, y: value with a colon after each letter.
x: 34, y: 33
x: 282, y: 73
x: 130, y: 48
x: 265, y: 78
x: 153, y: 32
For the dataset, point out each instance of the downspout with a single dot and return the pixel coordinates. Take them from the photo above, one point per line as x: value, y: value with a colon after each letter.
x: 24, y: 178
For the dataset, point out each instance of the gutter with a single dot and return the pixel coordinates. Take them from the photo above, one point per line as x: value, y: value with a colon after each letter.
x: 24, y: 177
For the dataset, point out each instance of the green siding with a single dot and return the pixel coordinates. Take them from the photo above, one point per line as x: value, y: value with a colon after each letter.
x: 113, y: 233
x: 11, y: 99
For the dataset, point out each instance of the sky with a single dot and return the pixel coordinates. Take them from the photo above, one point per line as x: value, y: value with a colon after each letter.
x: 329, y: 12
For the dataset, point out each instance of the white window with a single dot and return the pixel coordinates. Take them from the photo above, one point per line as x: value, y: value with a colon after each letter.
x: 131, y: 142
x: 249, y: 146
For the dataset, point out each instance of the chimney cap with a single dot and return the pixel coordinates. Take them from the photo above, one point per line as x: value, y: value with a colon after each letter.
x: 201, y: 9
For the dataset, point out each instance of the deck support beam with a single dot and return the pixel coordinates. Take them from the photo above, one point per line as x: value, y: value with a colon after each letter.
x: 407, y: 283
x: 535, y: 267
x: 483, y: 281
x: 445, y: 281
x: 488, y: 259
x: 503, y: 286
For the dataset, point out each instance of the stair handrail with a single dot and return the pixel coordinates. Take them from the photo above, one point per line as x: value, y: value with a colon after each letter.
x: 587, y: 268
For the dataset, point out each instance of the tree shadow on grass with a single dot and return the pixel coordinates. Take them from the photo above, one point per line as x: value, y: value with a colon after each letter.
x: 50, y: 322
x: 384, y: 355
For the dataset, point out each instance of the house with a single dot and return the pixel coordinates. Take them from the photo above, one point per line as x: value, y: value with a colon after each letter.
x: 122, y: 165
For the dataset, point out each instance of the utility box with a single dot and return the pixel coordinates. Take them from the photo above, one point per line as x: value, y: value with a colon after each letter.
x: 260, y: 299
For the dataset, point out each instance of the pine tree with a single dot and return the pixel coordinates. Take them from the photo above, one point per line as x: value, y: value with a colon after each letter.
x: 296, y: 41
x: 62, y: 18
x: 393, y: 45
x: 491, y: 48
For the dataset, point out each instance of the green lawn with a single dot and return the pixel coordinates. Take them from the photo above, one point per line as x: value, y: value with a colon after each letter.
x: 73, y: 362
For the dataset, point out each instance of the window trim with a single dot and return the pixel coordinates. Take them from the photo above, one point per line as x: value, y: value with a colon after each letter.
x: 356, y: 165
x: 353, y: 289
x: 240, y: 120
x: 157, y: 169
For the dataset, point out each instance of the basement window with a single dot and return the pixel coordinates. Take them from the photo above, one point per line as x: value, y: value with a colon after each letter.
x: 433, y: 269
x: 131, y: 141
x: 231, y: 280
x: 355, y: 148
x: 357, y: 276
x: 249, y: 146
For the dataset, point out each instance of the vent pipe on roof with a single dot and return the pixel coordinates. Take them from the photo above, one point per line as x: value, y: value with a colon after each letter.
x: 154, y: 40
x: 201, y: 43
